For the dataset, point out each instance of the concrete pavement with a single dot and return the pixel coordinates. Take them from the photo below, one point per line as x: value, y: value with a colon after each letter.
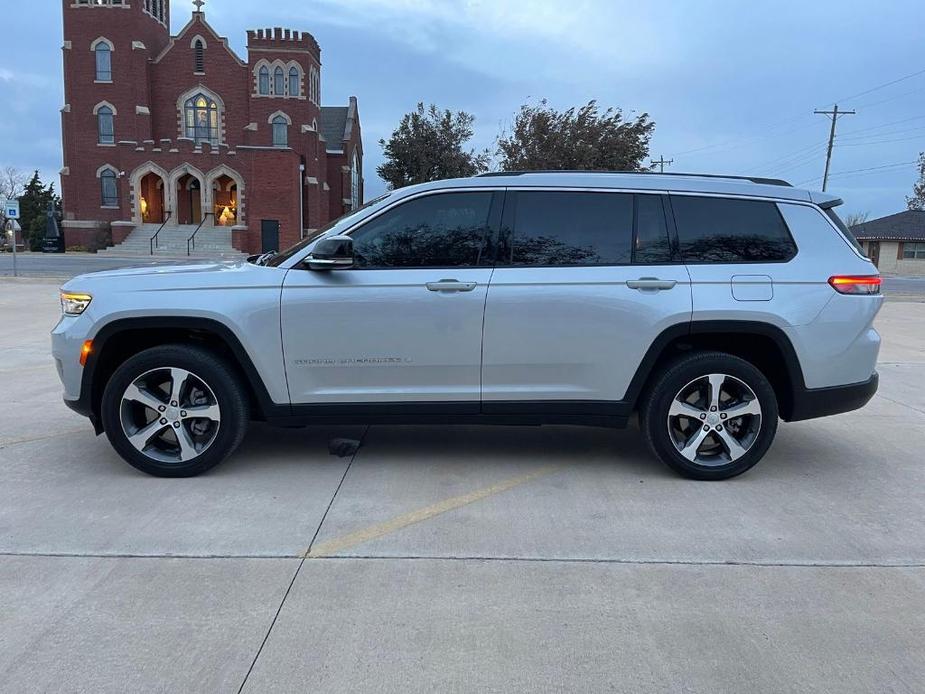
x: 460, y: 559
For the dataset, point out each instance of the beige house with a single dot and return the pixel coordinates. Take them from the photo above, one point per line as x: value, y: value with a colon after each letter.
x: 895, y: 243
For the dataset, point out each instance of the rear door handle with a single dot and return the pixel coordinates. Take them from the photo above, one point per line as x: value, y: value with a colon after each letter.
x: 653, y: 283
x: 450, y: 286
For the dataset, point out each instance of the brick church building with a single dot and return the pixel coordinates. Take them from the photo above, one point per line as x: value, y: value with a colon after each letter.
x: 180, y: 131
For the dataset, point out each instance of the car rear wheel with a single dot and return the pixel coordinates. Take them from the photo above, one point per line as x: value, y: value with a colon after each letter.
x: 710, y: 416
x: 174, y: 411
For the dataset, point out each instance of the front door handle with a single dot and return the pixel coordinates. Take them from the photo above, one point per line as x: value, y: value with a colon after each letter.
x: 450, y: 286
x: 651, y: 283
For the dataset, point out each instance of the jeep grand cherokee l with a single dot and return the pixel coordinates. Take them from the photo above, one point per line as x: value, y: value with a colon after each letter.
x: 711, y: 306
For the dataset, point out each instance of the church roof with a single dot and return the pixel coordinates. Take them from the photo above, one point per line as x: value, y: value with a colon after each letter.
x: 334, y: 127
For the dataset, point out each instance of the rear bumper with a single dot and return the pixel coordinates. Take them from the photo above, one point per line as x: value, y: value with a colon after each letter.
x: 809, y: 403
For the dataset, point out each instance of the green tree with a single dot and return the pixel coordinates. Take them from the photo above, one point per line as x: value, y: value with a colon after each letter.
x: 428, y: 145
x: 916, y: 201
x: 584, y: 138
x: 33, y: 208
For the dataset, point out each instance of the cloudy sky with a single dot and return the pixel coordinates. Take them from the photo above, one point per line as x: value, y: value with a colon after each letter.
x: 730, y: 85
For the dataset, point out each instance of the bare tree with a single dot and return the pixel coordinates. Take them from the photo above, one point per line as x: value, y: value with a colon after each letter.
x: 855, y: 218
x: 916, y: 201
x: 12, y: 184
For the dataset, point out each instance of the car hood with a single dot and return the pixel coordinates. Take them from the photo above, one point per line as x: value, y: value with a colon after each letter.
x: 183, y: 276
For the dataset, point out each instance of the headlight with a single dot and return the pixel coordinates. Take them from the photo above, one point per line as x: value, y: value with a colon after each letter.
x: 74, y: 304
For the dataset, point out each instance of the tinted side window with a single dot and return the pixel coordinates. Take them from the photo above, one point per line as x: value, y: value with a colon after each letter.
x: 572, y: 228
x: 443, y: 230
x: 652, y: 243
x: 725, y: 230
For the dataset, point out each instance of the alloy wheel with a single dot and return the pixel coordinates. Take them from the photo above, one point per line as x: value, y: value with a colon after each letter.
x: 170, y: 415
x: 714, y: 420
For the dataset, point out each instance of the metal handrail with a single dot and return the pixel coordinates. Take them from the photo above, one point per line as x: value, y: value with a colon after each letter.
x: 193, y: 237
x: 152, y: 242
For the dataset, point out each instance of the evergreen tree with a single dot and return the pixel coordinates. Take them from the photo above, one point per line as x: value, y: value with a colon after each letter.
x: 33, y: 209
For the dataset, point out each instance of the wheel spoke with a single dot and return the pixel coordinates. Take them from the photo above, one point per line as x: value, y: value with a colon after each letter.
x: 744, y: 408
x: 210, y: 412
x: 187, y: 446
x: 136, y: 394
x: 177, y: 379
x: 679, y: 408
x: 692, y: 445
x: 141, y: 437
x: 716, y: 386
x: 733, y: 447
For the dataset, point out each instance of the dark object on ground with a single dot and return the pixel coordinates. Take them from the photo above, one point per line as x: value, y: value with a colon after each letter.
x: 343, y: 448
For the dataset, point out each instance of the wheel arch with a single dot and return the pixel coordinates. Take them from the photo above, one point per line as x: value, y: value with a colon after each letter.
x: 120, y: 339
x: 767, y: 347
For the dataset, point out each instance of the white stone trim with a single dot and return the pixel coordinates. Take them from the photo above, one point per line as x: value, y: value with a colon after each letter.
x: 107, y: 167
x: 101, y: 39
x: 198, y: 37
x: 139, y: 46
x: 143, y: 111
x: 273, y: 116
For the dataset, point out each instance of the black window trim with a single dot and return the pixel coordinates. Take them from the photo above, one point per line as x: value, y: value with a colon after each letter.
x: 506, y: 248
x: 773, y: 201
x: 495, y: 208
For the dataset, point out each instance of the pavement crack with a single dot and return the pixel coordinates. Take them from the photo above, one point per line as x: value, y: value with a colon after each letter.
x: 301, y: 563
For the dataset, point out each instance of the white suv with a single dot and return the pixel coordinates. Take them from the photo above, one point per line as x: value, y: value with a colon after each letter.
x: 712, y: 306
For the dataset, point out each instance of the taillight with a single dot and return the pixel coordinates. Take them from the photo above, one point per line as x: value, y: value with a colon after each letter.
x: 856, y: 284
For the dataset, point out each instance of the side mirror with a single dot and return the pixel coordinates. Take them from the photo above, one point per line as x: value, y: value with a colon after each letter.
x: 331, y: 253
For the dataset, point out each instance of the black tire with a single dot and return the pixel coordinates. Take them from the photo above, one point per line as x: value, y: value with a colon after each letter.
x: 207, y: 368
x: 654, y: 414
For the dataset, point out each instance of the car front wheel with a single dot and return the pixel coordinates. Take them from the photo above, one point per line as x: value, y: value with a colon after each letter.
x: 710, y: 416
x: 174, y: 410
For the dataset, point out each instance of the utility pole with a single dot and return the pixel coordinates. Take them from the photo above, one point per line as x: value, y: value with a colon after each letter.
x: 834, y: 113
x: 661, y: 162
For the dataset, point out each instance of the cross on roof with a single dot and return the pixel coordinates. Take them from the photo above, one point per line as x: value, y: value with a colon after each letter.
x: 198, y: 4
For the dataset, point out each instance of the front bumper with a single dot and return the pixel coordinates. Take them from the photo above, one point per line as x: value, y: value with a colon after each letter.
x: 809, y: 403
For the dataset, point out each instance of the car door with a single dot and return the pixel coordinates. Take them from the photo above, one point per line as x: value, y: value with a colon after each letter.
x: 403, y: 327
x: 586, y: 282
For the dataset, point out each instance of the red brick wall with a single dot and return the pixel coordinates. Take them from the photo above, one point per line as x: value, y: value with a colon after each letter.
x: 151, y: 80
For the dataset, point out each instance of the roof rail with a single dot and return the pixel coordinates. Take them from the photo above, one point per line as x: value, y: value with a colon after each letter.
x: 752, y: 179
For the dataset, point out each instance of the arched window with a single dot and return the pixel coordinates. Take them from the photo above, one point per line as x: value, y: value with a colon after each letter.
x: 103, y: 53
x: 199, y: 58
x: 105, y: 127
x: 201, y: 119
x: 280, y: 132
x: 293, y: 81
x: 279, y: 81
x: 109, y: 190
x: 263, y: 81
x: 355, y: 181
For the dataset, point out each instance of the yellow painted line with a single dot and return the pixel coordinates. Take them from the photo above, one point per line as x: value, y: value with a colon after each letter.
x: 339, y: 544
x: 13, y: 442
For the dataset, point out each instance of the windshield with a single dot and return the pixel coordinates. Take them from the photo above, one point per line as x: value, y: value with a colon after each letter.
x: 280, y: 258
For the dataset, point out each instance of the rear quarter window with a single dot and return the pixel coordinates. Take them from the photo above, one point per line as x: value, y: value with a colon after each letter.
x: 728, y: 230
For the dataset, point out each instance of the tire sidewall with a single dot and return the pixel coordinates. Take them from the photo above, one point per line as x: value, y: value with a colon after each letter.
x: 683, y: 372
x: 204, y: 365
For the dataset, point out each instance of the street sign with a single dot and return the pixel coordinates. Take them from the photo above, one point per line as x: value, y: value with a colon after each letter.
x: 11, y: 209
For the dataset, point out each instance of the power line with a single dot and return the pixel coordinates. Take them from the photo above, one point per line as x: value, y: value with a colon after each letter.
x: 882, y: 86
x: 828, y: 155
x: 852, y: 172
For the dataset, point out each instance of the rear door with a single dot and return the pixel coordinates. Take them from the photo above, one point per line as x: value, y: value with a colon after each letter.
x: 584, y: 283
